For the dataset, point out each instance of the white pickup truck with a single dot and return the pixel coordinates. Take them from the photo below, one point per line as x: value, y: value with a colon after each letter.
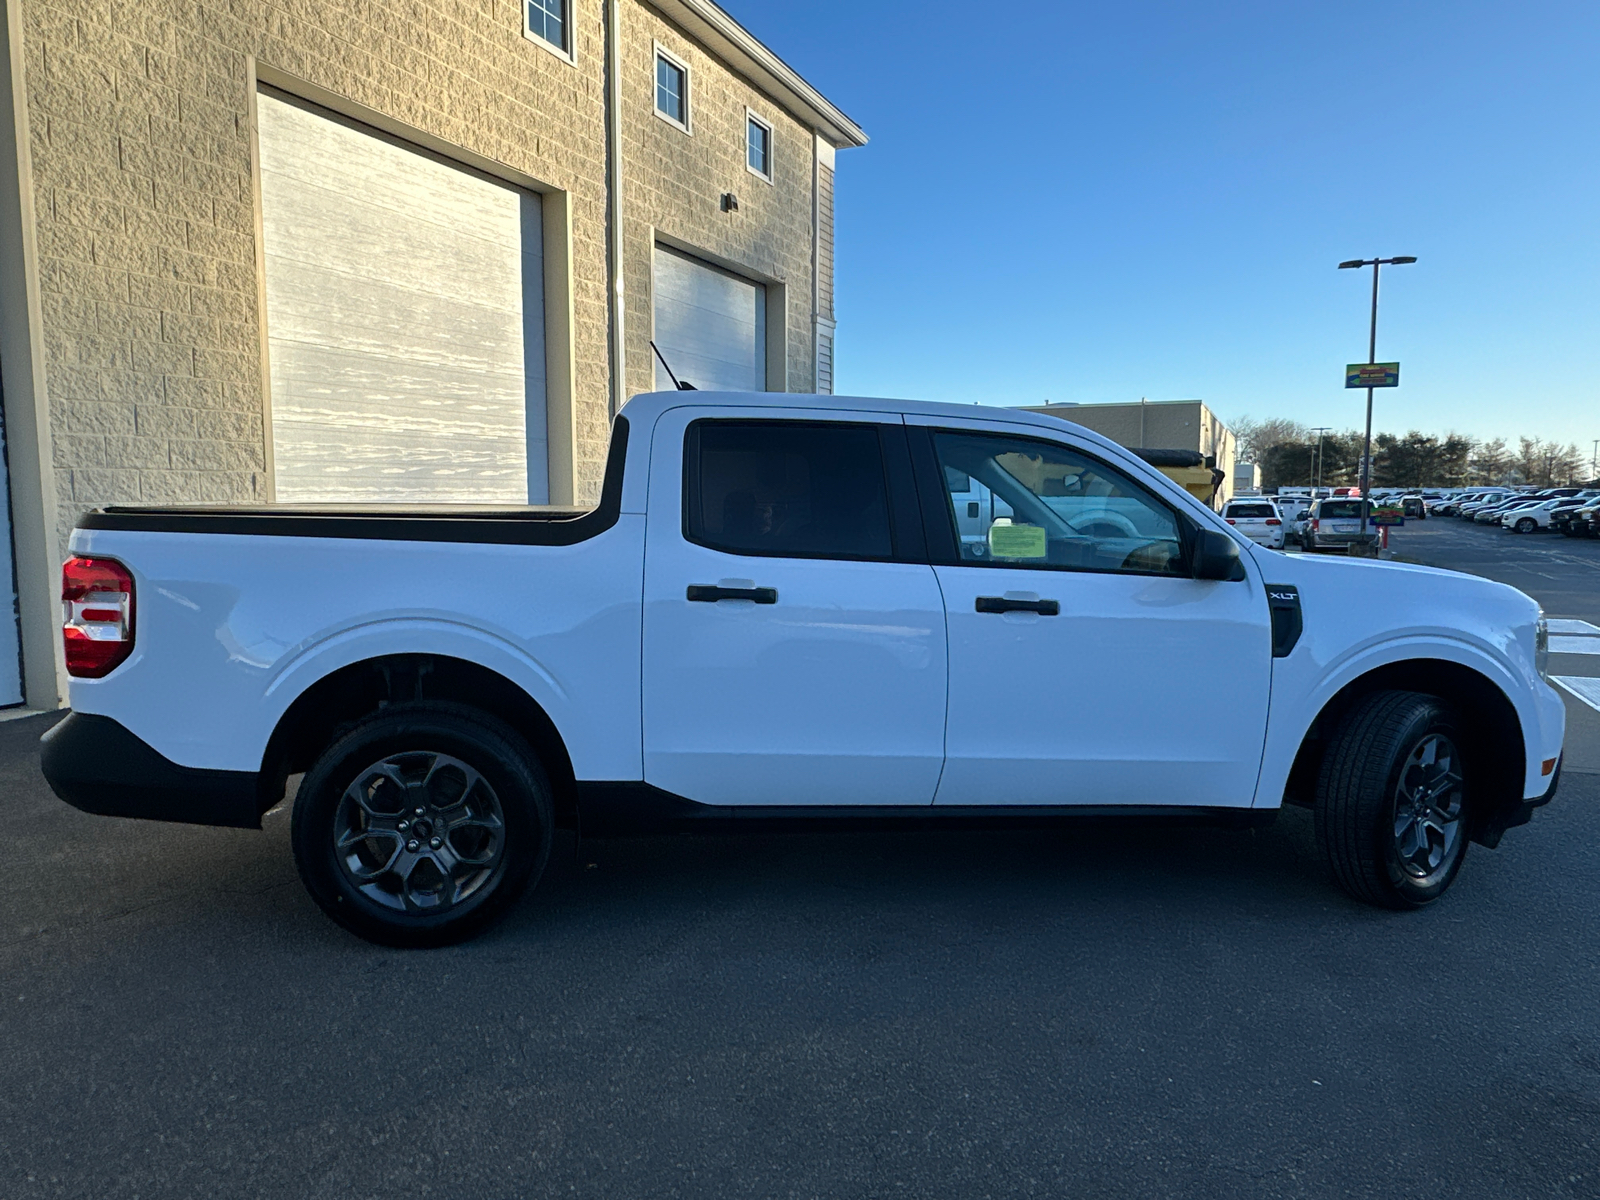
x: 780, y: 610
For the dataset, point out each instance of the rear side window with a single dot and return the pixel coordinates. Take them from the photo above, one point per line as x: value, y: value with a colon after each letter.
x: 787, y: 489
x: 1251, y: 510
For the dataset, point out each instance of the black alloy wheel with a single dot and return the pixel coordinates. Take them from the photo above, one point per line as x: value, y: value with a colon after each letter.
x: 423, y: 824
x: 1393, y: 800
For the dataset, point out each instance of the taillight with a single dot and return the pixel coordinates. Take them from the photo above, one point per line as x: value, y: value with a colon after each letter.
x: 1230, y: 520
x: 1274, y: 521
x: 96, y: 615
x: 1316, y: 524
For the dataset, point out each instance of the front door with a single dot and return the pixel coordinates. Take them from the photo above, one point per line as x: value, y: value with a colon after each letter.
x: 794, y: 635
x: 1086, y: 666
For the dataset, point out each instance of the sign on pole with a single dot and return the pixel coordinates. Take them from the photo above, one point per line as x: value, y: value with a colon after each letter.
x: 1373, y: 375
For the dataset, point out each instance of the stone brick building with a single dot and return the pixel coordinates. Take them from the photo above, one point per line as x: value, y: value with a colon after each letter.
x: 359, y: 250
x: 1159, y: 425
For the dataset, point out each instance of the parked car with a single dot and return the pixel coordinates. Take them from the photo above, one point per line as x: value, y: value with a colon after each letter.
x: 1413, y: 506
x: 1490, y: 500
x: 1584, y: 522
x: 1336, y: 523
x: 1529, y: 517
x: 1561, y: 515
x: 1490, y: 514
x: 1258, y: 519
x: 771, y: 614
x: 1296, y: 512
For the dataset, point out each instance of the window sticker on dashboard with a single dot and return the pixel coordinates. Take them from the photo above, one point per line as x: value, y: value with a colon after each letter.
x: 1017, y: 541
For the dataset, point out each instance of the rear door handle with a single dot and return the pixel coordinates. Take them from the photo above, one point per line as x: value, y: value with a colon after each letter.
x: 711, y: 592
x: 1003, y: 604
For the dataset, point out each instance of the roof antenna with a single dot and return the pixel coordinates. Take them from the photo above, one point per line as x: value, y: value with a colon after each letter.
x: 685, y: 385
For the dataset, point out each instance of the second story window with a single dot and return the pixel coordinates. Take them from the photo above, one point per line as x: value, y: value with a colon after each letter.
x: 758, y: 145
x: 547, y: 22
x: 672, y: 89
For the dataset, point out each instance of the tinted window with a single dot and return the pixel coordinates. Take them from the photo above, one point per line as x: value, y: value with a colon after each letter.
x: 787, y: 488
x: 1251, y: 510
x: 1017, y: 502
x: 1339, y: 508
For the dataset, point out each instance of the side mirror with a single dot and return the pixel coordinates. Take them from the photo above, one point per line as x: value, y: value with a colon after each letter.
x: 1216, y: 556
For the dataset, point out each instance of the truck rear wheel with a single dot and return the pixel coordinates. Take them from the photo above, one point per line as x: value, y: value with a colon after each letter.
x: 1391, y: 805
x: 422, y: 825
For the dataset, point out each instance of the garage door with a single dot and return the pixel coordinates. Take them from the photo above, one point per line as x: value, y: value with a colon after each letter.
x: 710, y: 325
x: 405, y: 320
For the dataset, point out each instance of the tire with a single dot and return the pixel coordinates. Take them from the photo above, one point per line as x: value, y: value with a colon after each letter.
x: 1526, y: 525
x: 458, y: 776
x: 1393, y: 756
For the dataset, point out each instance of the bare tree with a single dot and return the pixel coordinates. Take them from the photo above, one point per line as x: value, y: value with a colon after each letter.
x: 1253, y: 438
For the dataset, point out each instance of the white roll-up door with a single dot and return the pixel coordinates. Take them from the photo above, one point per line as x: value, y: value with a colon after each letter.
x: 710, y: 325
x: 405, y: 320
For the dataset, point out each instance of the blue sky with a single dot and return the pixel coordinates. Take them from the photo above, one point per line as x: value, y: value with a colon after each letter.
x: 1099, y: 202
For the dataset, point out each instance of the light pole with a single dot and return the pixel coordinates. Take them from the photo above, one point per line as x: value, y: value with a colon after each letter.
x: 1372, y: 356
x: 1316, y: 467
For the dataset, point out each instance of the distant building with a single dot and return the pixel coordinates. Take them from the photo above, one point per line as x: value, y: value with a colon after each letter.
x: 1158, y: 425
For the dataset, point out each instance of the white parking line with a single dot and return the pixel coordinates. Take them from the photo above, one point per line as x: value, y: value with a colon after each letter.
x: 1584, y: 688
x: 1570, y: 625
x: 1574, y: 645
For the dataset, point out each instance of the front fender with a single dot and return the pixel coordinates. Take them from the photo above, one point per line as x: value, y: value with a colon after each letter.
x: 1302, y: 689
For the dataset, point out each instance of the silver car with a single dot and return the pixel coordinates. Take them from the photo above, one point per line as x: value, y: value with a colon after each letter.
x: 1335, y: 523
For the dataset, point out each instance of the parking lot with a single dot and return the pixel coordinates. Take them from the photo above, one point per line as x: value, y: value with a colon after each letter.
x: 1117, y: 1008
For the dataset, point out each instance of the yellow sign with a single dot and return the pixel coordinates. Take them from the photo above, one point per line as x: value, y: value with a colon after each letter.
x: 1017, y: 541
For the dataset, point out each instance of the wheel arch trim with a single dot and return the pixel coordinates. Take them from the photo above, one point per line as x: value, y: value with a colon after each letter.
x: 1290, y: 727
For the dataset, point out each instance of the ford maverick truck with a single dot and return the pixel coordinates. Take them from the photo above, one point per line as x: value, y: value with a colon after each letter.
x: 795, y: 609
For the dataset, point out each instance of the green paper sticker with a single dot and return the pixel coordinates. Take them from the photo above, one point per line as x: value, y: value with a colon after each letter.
x: 1017, y: 541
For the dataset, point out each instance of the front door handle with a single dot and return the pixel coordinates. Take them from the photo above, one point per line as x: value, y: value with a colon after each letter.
x: 1004, y: 604
x: 711, y: 592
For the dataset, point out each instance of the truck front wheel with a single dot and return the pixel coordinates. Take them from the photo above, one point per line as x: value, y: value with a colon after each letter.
x: 1392, y: 797
x: 422, y: 825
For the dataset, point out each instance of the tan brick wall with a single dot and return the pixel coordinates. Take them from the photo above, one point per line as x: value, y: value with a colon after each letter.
x: 141, y: 145
x: 674, y: 183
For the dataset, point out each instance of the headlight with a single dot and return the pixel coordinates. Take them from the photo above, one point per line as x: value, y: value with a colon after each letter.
x: 1541, y: 646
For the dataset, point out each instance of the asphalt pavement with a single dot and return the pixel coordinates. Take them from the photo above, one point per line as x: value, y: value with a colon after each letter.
x: 1111, y: 1009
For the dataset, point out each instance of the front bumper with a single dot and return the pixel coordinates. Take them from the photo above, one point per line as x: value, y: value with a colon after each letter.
x: 1517, y: 813
x: 97, y: 764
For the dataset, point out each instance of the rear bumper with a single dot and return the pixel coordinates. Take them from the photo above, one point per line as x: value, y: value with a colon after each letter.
x: 96, y: 764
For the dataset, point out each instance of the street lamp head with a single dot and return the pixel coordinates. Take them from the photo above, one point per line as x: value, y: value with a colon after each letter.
x: 1354, y: 262
x: 1403, y: 258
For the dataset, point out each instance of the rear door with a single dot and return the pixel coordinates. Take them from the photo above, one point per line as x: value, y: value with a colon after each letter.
x: 794, y: 633
x: 1086, y: 666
